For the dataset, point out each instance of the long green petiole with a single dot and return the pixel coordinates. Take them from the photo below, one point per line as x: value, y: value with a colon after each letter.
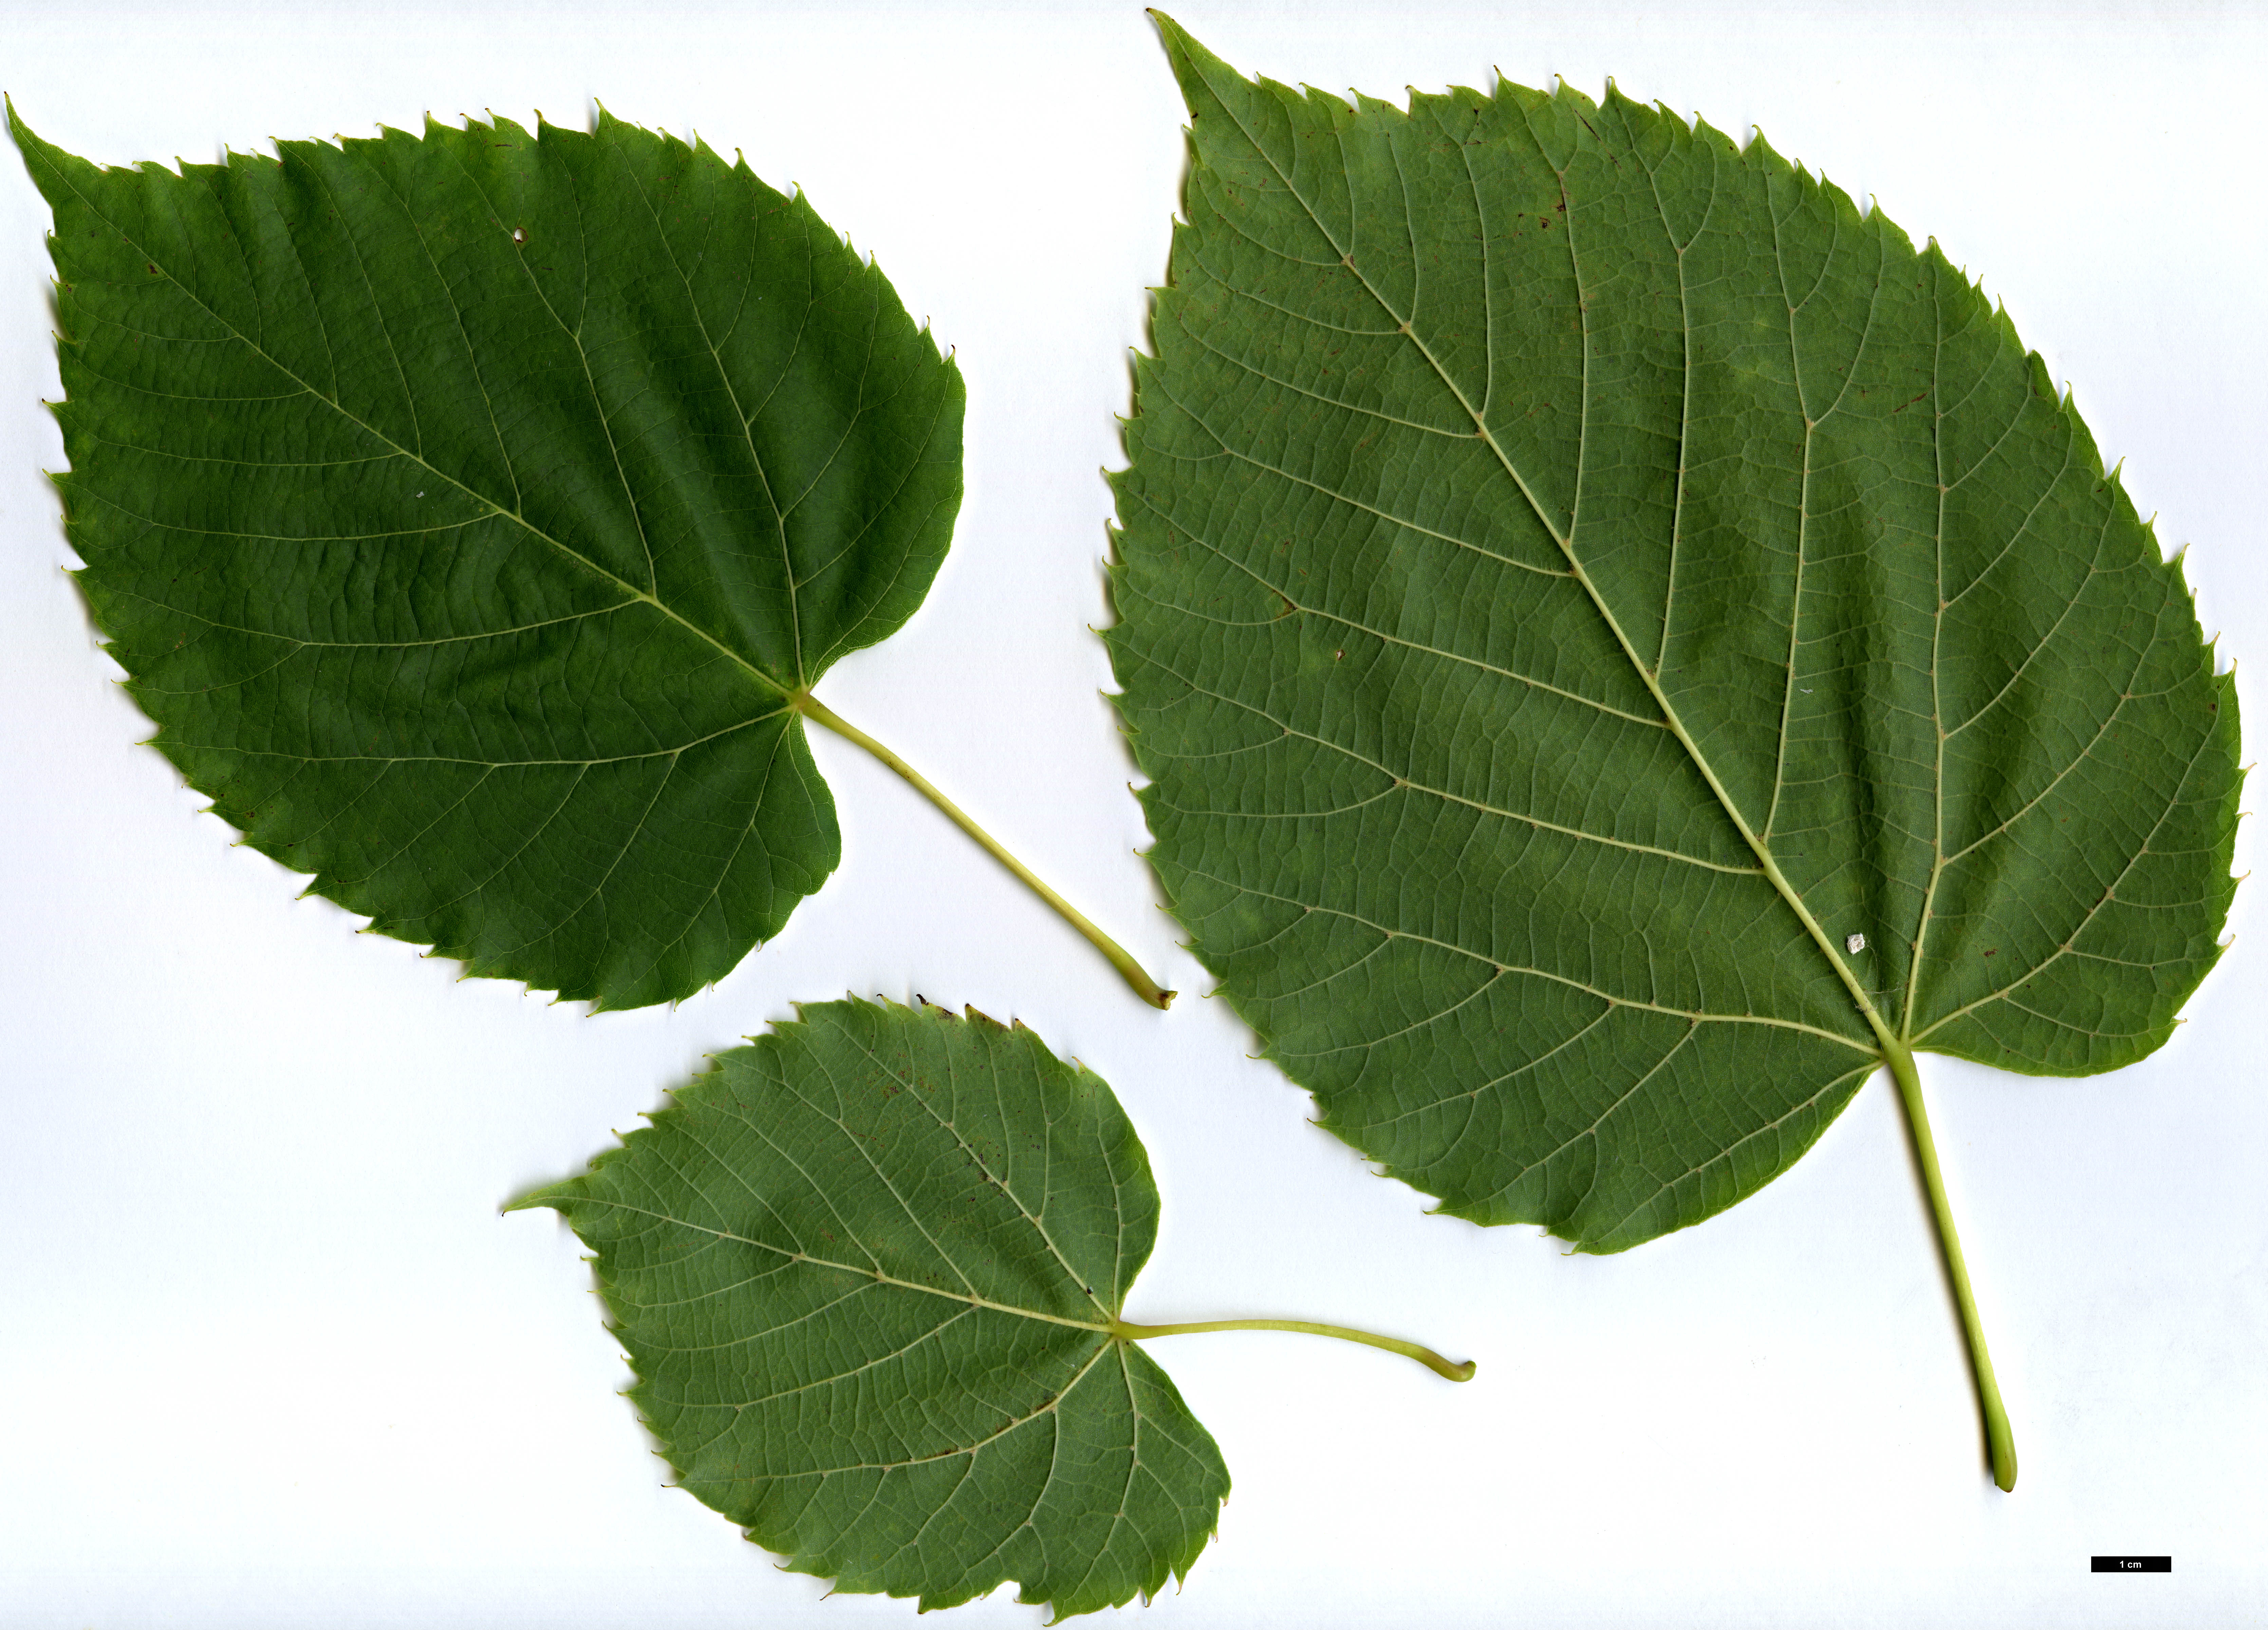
x: 1424, y: 1356
x: 818, y: 713
x: 1997, y: 1436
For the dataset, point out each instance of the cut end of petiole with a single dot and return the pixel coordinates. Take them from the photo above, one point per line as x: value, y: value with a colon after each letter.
x: 2004, y: 1454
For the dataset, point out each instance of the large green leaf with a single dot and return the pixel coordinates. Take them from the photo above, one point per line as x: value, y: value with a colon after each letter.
x: 869, y: 1271
x: 1624, y: 646
x: 473, y: 511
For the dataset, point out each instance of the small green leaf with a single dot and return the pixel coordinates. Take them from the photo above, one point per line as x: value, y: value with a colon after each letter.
x: 867, y: 1270
x: 870, y: 1270
x: 474, y: 511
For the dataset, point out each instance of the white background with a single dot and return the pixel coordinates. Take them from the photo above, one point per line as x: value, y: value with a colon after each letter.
x: 268, y: 1354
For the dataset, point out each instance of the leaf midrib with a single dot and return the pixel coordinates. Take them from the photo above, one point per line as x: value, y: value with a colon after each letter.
x: 876, y: 1275
x: 631, y: 590
x: 1770, y: 865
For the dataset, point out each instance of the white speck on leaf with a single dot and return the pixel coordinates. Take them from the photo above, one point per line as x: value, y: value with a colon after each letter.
x: 1856, y: 943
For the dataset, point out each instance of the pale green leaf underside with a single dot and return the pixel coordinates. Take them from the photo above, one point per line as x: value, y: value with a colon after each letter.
x: 1546, y: 520
x: 866, y: 1271
x: 466, y: 509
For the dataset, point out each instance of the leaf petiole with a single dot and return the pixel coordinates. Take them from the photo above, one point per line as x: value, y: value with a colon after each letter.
x: 2001, y: 1442
x: 1424, y: 1356
x: 818, y: 713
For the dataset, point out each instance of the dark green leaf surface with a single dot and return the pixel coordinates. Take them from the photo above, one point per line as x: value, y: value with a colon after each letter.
x: 867, y: 1271
x: 1625, y: 644
x: 467, y: 509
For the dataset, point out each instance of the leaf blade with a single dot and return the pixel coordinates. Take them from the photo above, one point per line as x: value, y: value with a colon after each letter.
x: 911, y: 1234
x: 1315, y: 561
x: 468, y: 482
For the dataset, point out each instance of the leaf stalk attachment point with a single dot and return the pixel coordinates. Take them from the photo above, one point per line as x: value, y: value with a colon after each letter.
x: 1425, y: 1355
x: 818, y: 713
x: 1998, y: 1437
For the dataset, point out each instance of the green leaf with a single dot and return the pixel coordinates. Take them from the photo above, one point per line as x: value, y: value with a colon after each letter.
x: 1625, y: 647
x: 474, y: 512
x: 868, y: 1271
x: 1579, y: 577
